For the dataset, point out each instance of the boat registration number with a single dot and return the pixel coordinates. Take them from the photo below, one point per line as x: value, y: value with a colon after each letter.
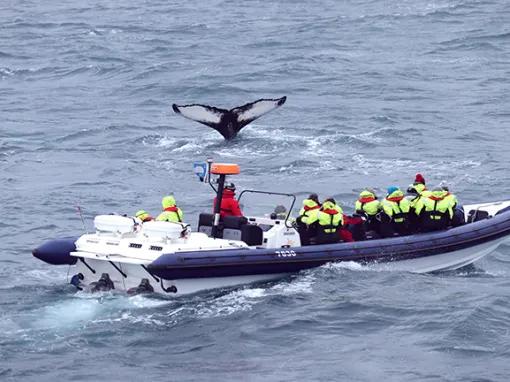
x: 285, y: 253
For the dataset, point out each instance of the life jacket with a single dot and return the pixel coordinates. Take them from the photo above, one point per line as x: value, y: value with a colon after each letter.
x: 419, y: 187
x: 452, y: 199
x: 420, y: 191
x: 330, y: 217
x: 310, y: 208
x: 437, y: 206
x: 396, y: 207
x: 171, y: 214
x: 367, y: 204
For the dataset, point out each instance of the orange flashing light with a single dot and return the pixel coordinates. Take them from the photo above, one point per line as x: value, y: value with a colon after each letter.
x: 225, y: 169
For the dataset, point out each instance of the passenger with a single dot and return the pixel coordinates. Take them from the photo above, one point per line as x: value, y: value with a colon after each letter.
x: 306, y: 229
x: 368, y: 206
x: 435, y: 212
x: 459, y: 217
x: 330, y: 219
x: 171, y: 213
x: 419, y: 183
x: 353, y: 229
x: 229, y: 204
x: 415, y: 192
x: 395, y: 215
x: 310, y: 204
x: 144, y: 216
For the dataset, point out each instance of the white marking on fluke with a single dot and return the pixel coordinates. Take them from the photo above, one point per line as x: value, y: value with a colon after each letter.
x: 228, y: 122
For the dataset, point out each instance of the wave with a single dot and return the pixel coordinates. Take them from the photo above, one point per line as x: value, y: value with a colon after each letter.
x: 47, y: 73
x: 260, y: 141
x: 12, y: 55
x: 474, y: 42
x: 439, y: 168
x: 112, y: 130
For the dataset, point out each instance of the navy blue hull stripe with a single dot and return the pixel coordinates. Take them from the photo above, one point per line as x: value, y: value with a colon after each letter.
x: 223, y: 263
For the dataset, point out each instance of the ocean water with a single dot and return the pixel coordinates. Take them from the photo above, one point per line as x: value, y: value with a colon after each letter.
x: 377, y: 91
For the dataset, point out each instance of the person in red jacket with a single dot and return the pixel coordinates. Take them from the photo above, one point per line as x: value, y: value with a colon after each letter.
x: 229, y: 204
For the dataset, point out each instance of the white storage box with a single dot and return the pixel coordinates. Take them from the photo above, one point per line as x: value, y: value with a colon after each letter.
x: 114, y: 223
x: 163, y: 230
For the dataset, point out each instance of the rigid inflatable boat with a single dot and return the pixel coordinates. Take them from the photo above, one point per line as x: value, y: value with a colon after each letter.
x: 125, y: 254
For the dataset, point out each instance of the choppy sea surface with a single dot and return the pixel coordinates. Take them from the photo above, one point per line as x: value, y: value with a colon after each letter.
x: 377, y: 91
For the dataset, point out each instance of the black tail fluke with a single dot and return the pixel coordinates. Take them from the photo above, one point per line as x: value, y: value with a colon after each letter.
x: 228, y: 122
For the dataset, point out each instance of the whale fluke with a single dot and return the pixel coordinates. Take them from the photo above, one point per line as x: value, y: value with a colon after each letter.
x: 228, y: 122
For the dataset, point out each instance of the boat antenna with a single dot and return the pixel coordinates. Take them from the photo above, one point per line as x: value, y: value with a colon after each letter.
x: 208, y: 176
x: 78, y: 208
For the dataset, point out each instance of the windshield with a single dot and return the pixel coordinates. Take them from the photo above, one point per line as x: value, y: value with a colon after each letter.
x: 262, y: 203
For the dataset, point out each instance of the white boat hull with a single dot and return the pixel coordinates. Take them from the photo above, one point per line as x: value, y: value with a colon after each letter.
x: 443, y: 262
x: 134, y: 272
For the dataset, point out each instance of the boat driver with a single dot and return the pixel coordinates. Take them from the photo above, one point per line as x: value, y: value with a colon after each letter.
x: 229, y: 204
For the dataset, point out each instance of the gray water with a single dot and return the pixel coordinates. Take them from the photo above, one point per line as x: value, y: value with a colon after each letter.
x: 377, y: 91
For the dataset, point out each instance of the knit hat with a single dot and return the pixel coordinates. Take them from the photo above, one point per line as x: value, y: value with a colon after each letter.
x: 419, y: 179
x: 391, y: 189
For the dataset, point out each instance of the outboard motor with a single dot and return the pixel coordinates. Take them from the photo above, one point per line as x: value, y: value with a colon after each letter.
x: 104, y: 284
x: 144, y: 287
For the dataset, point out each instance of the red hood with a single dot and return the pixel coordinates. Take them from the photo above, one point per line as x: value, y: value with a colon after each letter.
x: 171, y: 209
x: 435, y: 198
x: 306, y: 208
x: 395, y: 199
x: 367, y: 199
x: 330, y: 211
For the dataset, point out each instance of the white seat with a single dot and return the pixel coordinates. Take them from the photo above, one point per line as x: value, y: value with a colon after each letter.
x: 164, y: 230
x: 114, y: 224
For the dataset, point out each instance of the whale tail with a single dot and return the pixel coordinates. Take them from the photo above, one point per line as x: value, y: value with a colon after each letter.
x: 228, y: 122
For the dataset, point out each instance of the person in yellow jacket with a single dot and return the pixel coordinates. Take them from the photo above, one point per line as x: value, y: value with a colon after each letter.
x: 449, y: 196
x: 306, y: 229
x: 435, y: 211
x: 395, y: 216
x: 330, y: 219
x: 171, y: 213
x: 368, y: 206
x: 144, y: 216
x: 415, y: 192
x: 459, y: 217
